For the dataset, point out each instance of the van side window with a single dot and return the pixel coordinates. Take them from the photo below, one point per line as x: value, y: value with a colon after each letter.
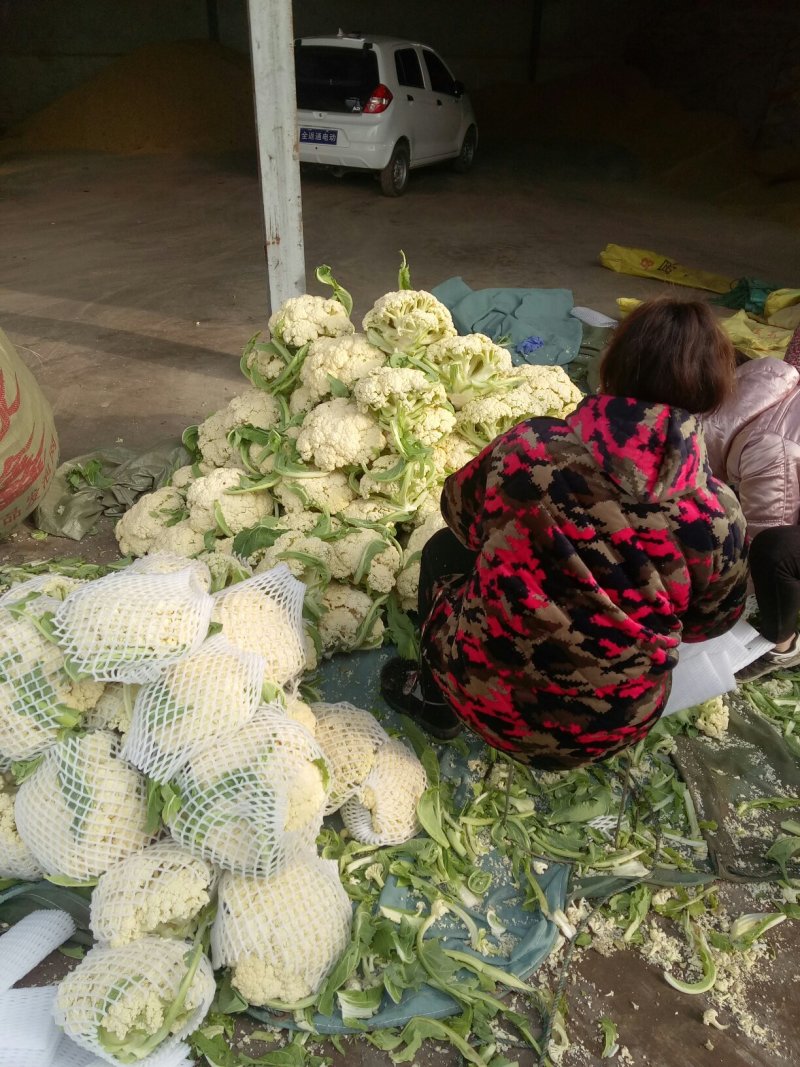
x: 441, y: 78
x: 409, y: 72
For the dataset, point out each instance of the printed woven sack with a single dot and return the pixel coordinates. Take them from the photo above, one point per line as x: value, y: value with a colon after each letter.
x: 384, y: 808
x: 256, y: 799
x: 126, y: 627
x: 205, y: 696
x: 117, y: 1001
x: 264, y: 614
x: 282, y: 936
x: 159, y: 891
x: 82, y: 809
x: 349, y: 737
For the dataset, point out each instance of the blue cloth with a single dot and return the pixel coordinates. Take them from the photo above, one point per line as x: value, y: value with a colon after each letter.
x: 535, y: 323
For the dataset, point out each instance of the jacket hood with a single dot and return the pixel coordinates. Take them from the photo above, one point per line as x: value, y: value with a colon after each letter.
x: 652, y: 452
x: 761, y: 384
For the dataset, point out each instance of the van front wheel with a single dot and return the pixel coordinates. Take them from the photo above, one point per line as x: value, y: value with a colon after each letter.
x: 394, y: 176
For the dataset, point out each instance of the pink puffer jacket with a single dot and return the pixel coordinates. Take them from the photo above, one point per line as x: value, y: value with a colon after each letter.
x: 754, y: 443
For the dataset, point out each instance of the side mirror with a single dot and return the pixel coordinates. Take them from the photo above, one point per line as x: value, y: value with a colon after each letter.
x: 458, y: 88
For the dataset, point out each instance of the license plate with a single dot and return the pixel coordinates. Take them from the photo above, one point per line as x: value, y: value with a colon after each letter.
x: 310, y: 135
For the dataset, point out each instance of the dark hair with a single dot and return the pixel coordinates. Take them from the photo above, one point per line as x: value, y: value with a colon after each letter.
x: 671, y: 352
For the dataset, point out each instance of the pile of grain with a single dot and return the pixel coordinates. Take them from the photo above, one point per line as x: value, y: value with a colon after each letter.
x: 180, y: 97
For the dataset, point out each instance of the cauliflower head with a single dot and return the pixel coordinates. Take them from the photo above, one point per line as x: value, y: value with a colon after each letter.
x: 83, y: 809
x: 451, y: 453
x: 254, y: 621
x: 282, y: 936
x: 298, y: 710
x: 712, y: 717
x: 119, y: 1002
x: 337, y: 434
x: 213, y: 506
x: 160, y: 891
x: 407, y: 404
x: 469, y: 366
x: 384, y: 809
x: 303, y: 319
x: 344, y: 359
x: 114, y: 709
x: 407, y: 584
x: 327, y: 491
x: 253, y: 407
x: 401, y: 323
x: 349, y: 737
x: 404, y: 483
x: 350, y: 620
x: 16, y: 859
x: 365, y: 556
x: 140, y: 528
x: 307, y: 557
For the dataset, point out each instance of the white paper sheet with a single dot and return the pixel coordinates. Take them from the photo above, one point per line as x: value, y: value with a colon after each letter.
x: 706, y: 669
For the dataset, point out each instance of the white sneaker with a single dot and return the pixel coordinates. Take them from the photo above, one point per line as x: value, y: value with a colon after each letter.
x: 771, y: 661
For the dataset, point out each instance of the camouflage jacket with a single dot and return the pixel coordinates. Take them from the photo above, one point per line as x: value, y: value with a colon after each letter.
x: 603, y: 541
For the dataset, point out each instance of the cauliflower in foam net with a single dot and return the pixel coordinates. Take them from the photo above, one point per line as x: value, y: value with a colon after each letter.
x: 349, y: 737
x: 160, y: 890
x: 383, y: 810
x: 303, y: 319
x: 336, y: 434
x: 213, y: 506
x: 126, y: 1003
x: 298, y: 710
x: 346, y: 359
x: 142, y: 527
x: 83, y: 809
x: 114, y: 709
x: 16, y: 859
x: 282, y: 936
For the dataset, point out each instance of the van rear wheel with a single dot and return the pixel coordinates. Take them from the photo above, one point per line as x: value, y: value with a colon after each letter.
x: 394, y: 176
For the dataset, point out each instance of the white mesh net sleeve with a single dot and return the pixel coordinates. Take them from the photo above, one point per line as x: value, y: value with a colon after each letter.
x: 118, y: 999
x: 28, y: 1035
x: 255, y: 800
x: 384, y: 809
x: 160, y: 890
x: 349, y: 737
x: 125, y: 627
x: 68, y: 1054
x: 37, y: 699
x: 16, y: 859
x: 169, y: 563
x: 264, y: 614
x: 82, y: 809
x: 207, y: 695
x: 29, y: 941
x: 283, y: 935
x: 51, y: 590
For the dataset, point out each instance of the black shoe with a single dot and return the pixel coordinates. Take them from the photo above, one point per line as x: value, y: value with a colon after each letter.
x: 400, y: 688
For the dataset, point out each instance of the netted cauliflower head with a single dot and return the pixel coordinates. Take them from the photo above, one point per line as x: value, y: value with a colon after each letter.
x: 37, y: 698
x: 163, y: 562
x: 349, y: 737
x: 366, y: 557
x: 337, y: 434
x: 405, y: 321
x: 272, y: 627
x: 83, y: 809
x: 212, y: 504
x: 255, y: 799
x: 298, y: 710
x: 383, y: 811
x: 116, y: 1000
x: 160, y: 890
x: 349, y: 620
x: 345, y: 359
x: 282, y: 936
x: 16, y: 859
x: 712, y: 717
x: 302, y: 319
x: 140, y: 528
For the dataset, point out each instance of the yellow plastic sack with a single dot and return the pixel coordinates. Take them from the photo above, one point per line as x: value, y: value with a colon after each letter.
x: 28, y: 442
x: 754, y: 338
x: 782, y: 308
x: 626, y: 305
x: 644, y: 264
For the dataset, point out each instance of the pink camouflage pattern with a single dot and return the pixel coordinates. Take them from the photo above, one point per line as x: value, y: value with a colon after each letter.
x: 603, y: 541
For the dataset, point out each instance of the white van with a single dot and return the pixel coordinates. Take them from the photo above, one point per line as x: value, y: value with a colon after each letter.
x: 381, y: 104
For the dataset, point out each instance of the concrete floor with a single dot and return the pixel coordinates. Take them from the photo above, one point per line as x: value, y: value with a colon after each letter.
x: 131, y: 284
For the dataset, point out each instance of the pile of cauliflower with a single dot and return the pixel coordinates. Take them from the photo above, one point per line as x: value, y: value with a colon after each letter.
x: 186, y: 781
x: 333, y: 459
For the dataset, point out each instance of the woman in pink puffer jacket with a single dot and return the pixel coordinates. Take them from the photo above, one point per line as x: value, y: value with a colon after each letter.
x: 753, y: 444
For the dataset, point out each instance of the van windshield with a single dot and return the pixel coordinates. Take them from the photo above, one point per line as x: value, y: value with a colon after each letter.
x: 334, y: 79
